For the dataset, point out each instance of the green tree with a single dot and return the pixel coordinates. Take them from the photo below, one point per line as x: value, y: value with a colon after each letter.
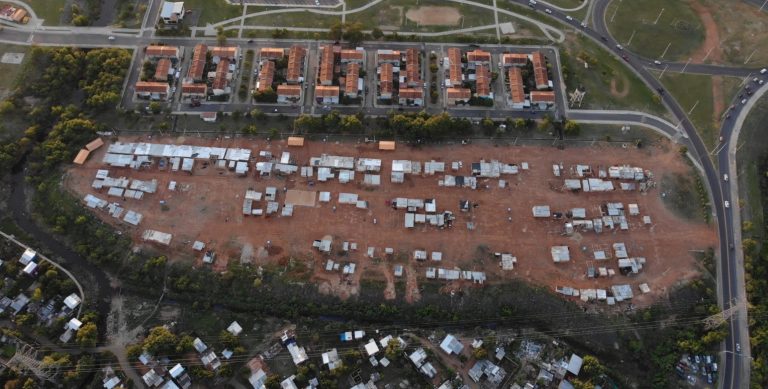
x: 336, y: 31
x: 87, y: 335
x: 228, y: 340
x: 160, y: 341
x: 37, y: 295
x: 28, y: 384
x: 354, y: 33
x: 351, y: 124
x: 591, y: 367
x: 480, y: 353
x: 155, y: 107
x: 393, y: 350
x: 545, y: 124
x: 571, y: 128
x: 221, y: 36
x: 376, y: 33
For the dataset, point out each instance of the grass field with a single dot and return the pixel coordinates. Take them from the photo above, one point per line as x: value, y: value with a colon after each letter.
x: 213, y: 11
x: 10, y: 71
x: 293, y: 19
x: 678, y: 26
x: 752, y: 148
x: 688, y: 89
x: 681, y: 196
x: 49, y: 10
x: 566, y: 3
x: 743, y: 31
x: 596, y: 79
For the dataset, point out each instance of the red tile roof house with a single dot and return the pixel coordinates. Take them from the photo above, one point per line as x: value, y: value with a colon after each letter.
x: 152, y: 90
x: 288, y: 93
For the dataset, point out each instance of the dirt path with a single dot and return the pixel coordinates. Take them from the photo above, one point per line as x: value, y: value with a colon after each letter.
x: 712, y: 37
x: 389, y: 291
x: 710, y: 50
x: 615, y: 92
x: 412, y: 293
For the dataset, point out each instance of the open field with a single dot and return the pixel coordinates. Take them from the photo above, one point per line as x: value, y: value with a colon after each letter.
x: 742, y: 30
x: 404, y: 15
x: 708, y: 97
x: 49, y: 10
x: 293, y: 19
x: 208, y: 207
x: 608, y: 82
x: 10, y: 71
x: 678, y: 26
x: 752, y: 150
x: 212, y: 11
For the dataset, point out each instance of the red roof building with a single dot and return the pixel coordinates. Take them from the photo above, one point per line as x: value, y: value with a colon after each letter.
x: 454, y: 69
x: 385, y: 81
x: 162, y: 68
x: 228, y: 52
x: 157, y: 51
x: 412, y: 67
x: 352, y: 56
x: 267, y: 75
x: 547, y: 97
x: 295, y: 64
x: 516, y: 91
x: 221, y: 80
x: 327, y: 61
x: 483, y: 81
x: 197, y: 67
x: 514, y: 59
x: 478, y: 56
x: 540, y: 70
x: 353, y: 74
x: 271, y: 53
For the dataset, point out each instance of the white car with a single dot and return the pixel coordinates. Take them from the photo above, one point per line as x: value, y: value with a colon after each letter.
x: 744, y: 101
x: 619, y: 47
x: 569, y: 17
x: 657, y: 62
x: 583, y: 25
x: 764, y: 70
x: 738, y: 348
x: 547, y: 10
x: 111, y: 38
x: 725, y: 177
x: 727, y: 204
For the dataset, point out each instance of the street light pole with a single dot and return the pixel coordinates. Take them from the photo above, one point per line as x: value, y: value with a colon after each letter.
x: 661, y: 12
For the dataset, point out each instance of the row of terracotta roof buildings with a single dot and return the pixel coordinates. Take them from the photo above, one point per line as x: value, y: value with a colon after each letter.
x: 339, y: 64
x: 290, y: 90
x: 410, y: 86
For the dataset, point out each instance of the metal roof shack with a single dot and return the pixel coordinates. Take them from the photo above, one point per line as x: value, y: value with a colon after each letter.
x: 540, y: 70
x: 560, y: 254
x: 451, y: 345
x: 622, y: 292
x: 157, y: 237
x: 333, y: 161
x: 541, y: 211
x: 387, y: 145
x: 296, y: 141
x: 81, y: 157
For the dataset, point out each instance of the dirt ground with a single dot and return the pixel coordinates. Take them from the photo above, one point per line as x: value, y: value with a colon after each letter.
x: 208, y: 207
x: 434, y: 16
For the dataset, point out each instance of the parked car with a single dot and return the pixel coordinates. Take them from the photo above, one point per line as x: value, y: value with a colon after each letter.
x: 657, y: 62
x: 569, y: 17
x: 619, y: 47
x: 547, y: 10
x: 725, y: 177
x: 728, y: 205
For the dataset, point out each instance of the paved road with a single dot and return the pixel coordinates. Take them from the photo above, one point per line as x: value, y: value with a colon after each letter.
x: 735, y: 368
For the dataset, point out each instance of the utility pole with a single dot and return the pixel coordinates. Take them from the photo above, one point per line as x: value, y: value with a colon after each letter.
x: 630, y: 38
x: 657, y: 18
x: 708, y: 52
x: 750, y: 56
x: 25, y: 359
x: 763, y: 6
x: 719, y: 318
x: 662, y: 72
x: 694, y: 106
x: 686, y: 65
x: 665, y: 50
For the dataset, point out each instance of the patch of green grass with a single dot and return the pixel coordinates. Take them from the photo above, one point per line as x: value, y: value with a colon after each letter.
x: 678, y: 26
x: 294, y: 19
x: 11, y: 71
x: 752, y: 148
x: 566, y: 3
x: 694, y: 91
x: 213, y: 11
x: 48, y: 10
x: 596, y: 79
x: 681, y: 195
